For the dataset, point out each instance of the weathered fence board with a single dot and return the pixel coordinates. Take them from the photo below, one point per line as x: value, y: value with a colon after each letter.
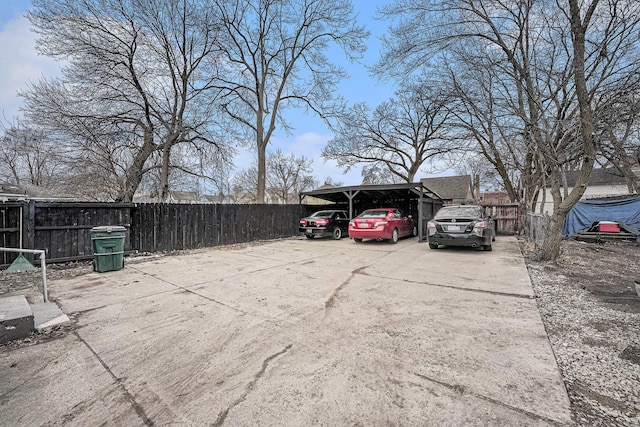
x: 507, y: 217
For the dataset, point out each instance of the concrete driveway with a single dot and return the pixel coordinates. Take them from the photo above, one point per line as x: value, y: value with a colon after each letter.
x: 295, y: 333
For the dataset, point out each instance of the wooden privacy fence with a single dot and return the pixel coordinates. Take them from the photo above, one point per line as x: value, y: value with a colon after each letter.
x: 165, y: 227
x: 64, y: 229
x: 507, y: 217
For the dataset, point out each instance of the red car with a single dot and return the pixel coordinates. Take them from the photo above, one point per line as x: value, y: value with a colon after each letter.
x: 383, y: 224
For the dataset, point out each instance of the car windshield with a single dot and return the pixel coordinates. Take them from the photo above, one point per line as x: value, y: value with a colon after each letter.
x: 322, y: 214
x: 373, y: 214
x: 459, y: 212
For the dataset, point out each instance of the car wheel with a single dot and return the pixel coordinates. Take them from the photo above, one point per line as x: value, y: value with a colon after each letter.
x: 414, y: 231
x: 487, y: 247
x: 309, y: 236
x: 394, y: 236
x: 433, y: 245
x: 357, y: 240
x: 337, y: 233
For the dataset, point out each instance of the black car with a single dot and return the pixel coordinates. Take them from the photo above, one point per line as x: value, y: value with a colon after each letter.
x: 462, y: 225
x: 332, y: 223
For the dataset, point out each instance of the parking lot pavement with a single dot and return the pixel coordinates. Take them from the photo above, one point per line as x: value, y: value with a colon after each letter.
x: 295, y: 332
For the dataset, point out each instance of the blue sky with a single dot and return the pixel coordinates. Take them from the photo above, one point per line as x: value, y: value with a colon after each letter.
x: 19, y: 64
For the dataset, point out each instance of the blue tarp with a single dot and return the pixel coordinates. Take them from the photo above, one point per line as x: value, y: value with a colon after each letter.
x: 586, y: 212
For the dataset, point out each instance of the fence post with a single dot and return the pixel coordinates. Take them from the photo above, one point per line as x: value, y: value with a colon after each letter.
x: 29, y: 226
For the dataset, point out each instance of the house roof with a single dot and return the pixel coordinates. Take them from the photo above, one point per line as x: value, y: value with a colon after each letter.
x: 606, y: 176
x: 449, y: 187
x: 34, y: 192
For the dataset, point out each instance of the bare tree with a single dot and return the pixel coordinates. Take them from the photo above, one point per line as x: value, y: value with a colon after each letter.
x: 483, y: 175
x: 379, y: 173
x: 332, y: 182
x: 274, y: 57
x: 483, y: 119
x: 287, y: 176
x: 10, y: 158
x: 217, y: 170
x: 556, y: 55
x: 245, y: 183
x: 136, y: 70
x: 618, y: 133
x: 28, y: 156
x: 401, y: 135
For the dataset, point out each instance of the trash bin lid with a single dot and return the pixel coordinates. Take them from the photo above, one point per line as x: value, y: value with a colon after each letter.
x: 108, y: 228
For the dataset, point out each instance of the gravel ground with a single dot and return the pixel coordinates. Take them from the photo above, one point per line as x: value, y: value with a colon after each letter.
x: 587, y: 301
x: 591, y: 312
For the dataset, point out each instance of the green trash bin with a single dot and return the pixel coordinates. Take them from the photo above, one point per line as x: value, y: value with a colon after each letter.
x: 108, y: 247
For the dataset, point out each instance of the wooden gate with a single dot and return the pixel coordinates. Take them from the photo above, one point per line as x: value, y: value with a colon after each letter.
x: 506, y: 216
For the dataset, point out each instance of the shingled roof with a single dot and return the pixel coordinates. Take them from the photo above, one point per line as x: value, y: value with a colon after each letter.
x: 450, y: 187
x: 608, y: 176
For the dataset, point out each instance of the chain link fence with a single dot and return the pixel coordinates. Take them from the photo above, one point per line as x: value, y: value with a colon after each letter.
x: 537, y: 228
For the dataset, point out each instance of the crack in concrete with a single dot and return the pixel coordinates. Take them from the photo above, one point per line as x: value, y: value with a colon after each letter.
x: 76, y: 314
x: 459, y: 288
x: 136, y: 406
x: 222, y: 416
x: 191, y: 292
x: 177, y: 287
x: 462, y: 390
x: 330, y: 302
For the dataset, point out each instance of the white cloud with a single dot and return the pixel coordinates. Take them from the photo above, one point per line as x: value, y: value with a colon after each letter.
x: 309, y: 144
x: 323, y: 169
x: 20, y: 64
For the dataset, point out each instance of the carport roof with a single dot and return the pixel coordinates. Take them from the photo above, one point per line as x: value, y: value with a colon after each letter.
x: 371, y: 192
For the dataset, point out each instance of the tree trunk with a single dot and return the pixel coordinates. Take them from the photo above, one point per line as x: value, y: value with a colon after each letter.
x: 543, y: 202
x: 135, y: 171
x: 551, y: 249
x: 262, y: 173
x: 506, y: 180
x: 551, y: 245
x: 261, y: 145
x: 164, y: 173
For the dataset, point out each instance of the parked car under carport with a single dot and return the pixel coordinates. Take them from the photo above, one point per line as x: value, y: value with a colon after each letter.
x: 382, y: 224
x: 413, y: 198
x: 332, y: 223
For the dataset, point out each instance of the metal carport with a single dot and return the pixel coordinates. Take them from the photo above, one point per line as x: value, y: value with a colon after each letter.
x: 413, y: 197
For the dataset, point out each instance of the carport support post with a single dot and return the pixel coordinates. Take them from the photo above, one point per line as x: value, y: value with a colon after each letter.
x: 420, y: 209
x: 351, y: 195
